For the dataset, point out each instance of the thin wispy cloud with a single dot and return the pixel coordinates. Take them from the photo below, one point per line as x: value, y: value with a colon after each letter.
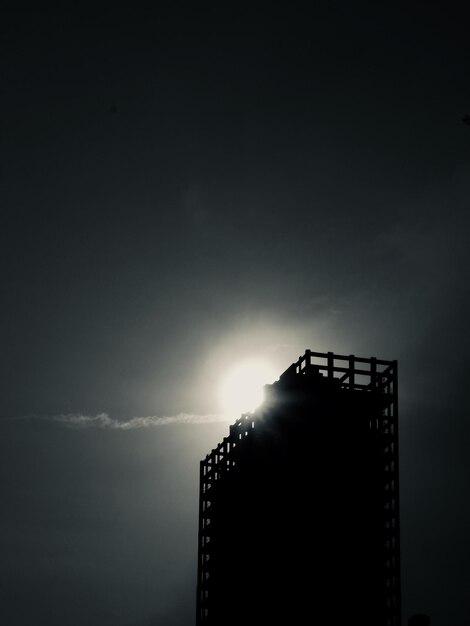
x: 104, y: 421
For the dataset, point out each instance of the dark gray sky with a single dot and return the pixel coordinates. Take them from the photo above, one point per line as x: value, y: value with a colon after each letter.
x: 183, y: 187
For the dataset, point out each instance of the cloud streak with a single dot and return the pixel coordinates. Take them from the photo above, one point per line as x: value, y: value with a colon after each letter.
x: 104, y: 421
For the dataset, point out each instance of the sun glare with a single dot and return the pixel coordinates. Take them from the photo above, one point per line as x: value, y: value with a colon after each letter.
x: 241, y: 390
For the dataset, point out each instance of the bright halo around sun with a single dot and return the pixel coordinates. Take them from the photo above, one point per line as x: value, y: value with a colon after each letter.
x: 241, y: 389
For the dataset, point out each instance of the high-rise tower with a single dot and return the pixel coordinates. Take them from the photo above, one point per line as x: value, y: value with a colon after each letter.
x: 299, y: 518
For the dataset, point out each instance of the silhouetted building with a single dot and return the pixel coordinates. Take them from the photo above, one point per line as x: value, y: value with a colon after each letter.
x: 299, y: 519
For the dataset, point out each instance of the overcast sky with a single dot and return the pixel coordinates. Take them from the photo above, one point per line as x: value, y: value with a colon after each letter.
x: 185, y: 187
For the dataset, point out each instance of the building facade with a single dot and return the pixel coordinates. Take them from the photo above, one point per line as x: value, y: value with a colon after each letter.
x: 299, y: 508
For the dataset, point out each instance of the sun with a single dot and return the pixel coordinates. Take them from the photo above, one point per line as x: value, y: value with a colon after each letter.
x: 241, y: 388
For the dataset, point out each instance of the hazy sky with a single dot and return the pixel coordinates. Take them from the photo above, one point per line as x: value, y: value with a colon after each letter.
x: 184, y: 187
